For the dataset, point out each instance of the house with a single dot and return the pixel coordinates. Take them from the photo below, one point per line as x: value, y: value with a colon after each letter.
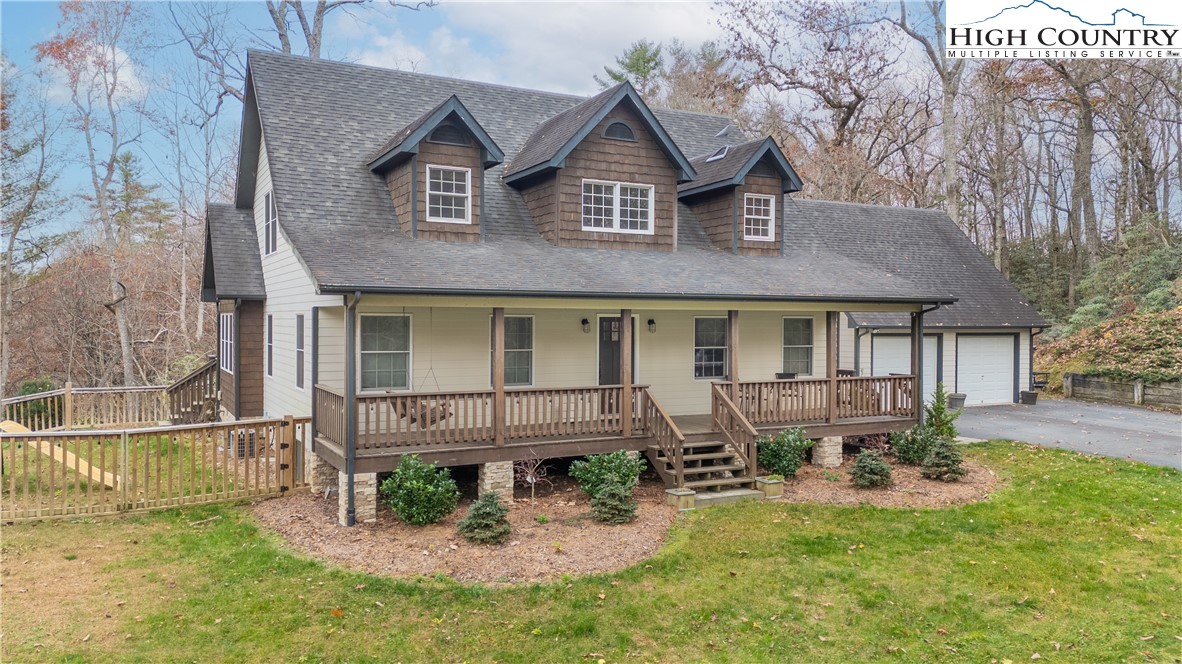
x: 477, y: 273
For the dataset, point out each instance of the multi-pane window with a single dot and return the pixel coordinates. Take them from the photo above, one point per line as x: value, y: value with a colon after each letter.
x: 385, y: 352
x: 226, y: 342
x: 709, y: 348
x: 519, y: 350
x: 449, y: 193
x: 270, y: 225
x: 759, y: 214
x: 270, y: 345
x: 299, y: 351
x: 798, y: 346
x: 617, y: 207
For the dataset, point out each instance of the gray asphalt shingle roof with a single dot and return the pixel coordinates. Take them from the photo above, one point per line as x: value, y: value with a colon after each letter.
x: 555, y: 131
x: 323, y: 119
x: 234, y: 250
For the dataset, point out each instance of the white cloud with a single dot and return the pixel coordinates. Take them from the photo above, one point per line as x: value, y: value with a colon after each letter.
x: 131, y: 82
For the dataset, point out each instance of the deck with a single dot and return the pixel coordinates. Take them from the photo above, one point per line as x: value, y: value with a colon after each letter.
x: 464, y: 428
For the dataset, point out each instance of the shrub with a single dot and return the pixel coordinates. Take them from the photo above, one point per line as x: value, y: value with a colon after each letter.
x: 419, y: 493
x: 912, y: 446
x: 613, y: 503
x: 944, y: 462
x: 486, y: 522
x: 937, y: 416
x: 598, y: 470
x: 783, y: 454
x: 870, y: 470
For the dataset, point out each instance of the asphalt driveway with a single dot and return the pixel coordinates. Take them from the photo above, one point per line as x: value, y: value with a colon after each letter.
x: 1118, y: 431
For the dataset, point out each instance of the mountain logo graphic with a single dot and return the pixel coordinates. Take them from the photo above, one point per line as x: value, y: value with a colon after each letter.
x: 1119, y: 13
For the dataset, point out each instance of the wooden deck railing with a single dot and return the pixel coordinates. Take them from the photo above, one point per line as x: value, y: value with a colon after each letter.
x: 734, y: 427
x: 194, y: 398
x: 571, y: 411
x: 78, y: 407
x: 876, y: 396
x: 768, y: 401
x: 663, y: 431
x: 330, y: 413
x: 422, y: 418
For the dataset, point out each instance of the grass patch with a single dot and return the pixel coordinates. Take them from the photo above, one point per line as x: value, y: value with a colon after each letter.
x: 1077, y: 558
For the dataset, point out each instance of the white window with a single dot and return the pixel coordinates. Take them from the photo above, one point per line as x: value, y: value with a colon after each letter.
x: 270, y: 345
x: 449, y: 194
x: 759, y: 214
x: 270, y: 225
x: 226, y: 342
x: 709, y: 348
x: 299, y: 351
x: 617, y: 207
x: 519, y: 350
x: 385, y: 352
x: 798, y: 346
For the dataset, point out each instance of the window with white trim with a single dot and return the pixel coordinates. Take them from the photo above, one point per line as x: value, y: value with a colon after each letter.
x: 226, y: 342
x: 449, y: 194
x: 709, y: 348
x: 519, y: 350
x: 299, y: 351
x: 270, y: 225
x: 270, y: 345
x: 759, y: 215
x: 798, y: 346
x: 617, y: 207
x: 385, y: 352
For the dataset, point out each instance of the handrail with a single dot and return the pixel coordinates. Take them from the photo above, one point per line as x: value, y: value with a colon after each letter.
x: 667, y: 435
x: 210, y: 364
x: 730, y: 422
x: 8, y: 401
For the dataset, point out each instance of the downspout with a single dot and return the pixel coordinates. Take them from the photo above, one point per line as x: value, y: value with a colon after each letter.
x: 237, y: 361
x: 315, y: 369
x: 919, y: 376
x: 858, y: 334
x: 351, y: 403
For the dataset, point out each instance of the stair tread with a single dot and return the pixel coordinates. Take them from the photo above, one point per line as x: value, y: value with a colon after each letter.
x: 697, y: 457
x: 719, y: 482
x: 698, y: 470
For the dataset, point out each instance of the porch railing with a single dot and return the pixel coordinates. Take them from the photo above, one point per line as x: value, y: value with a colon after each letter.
x: 876, y: 396
x: 468, y: 418
x: 76, y: 407
x: 663, y: 431
x: 807, y: 400
x: 729, y: 421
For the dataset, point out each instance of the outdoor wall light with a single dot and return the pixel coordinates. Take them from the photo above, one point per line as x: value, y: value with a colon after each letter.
x: 652, y: 325
x: 586, y: 326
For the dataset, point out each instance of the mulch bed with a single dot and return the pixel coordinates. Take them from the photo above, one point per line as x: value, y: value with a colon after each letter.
x: 571, y: 542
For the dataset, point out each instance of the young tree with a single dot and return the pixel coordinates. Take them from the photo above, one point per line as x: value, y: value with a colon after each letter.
x: 641, y: 65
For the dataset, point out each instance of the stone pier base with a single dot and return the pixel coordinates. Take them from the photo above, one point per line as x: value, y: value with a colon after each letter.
x: 827, y: 452
x: 497, y: 477
x: 322, y: 476
x: 365, y: 497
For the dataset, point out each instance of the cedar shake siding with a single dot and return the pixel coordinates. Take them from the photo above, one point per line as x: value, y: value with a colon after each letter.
x: 716, y: 211
x: 246, y: 383
x: 767, y: 186
x: 635, y: 162
x: 398, y: 181
x: 543, y: 207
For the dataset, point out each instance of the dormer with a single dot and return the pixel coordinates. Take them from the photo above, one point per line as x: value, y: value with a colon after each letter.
x: 738, y: 196
x: 603, y: 174
x: 434, y: 169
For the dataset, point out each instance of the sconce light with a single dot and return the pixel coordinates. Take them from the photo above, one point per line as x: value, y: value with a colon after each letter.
x: 586, y: 326
x: 652, y: 326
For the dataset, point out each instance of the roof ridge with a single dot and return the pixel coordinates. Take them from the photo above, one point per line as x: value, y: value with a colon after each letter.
x: 440, y: 77
x: 870, y: 205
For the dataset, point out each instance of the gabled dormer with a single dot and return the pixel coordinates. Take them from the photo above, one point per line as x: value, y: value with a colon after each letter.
x: 603, y: 173
x: 738, y: 196
x: 434, y: 169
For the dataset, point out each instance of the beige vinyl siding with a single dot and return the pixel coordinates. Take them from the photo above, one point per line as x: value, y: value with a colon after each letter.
x: 845, y: 343
x: 290, y: 291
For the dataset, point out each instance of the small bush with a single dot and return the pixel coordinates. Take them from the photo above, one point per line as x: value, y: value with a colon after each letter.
x: 598, y: 470
x: 613, y: 503
x: 419, y: 493
x: 542, y: 519
x: 944, y: 462
x: 784, y: 453
x: 937, y: 416
x: 912, y: 446
x: 870, y: 470
x: 486, y: 522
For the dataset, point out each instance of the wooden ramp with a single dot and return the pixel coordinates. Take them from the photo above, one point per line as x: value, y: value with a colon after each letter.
x: 59, y: 454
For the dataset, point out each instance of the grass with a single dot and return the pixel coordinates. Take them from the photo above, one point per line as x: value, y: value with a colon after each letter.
x: 1077, y: 558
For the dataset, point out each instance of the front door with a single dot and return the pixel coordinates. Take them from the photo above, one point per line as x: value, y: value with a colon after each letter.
x: 609, y: 351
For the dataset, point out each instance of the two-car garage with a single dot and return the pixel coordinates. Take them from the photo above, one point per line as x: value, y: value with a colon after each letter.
x: 985, y: 367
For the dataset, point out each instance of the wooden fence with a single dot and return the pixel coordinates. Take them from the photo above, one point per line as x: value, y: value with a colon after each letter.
x: 61, y: 473
x: 191, y: 400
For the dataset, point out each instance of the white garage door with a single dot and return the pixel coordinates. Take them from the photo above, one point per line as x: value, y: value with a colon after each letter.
x: 985, y: 369
x: 892, y: 354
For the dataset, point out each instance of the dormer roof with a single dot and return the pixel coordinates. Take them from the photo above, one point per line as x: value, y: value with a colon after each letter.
x: 406, y: 142
x: 730, y: 164
x: 554, y: 139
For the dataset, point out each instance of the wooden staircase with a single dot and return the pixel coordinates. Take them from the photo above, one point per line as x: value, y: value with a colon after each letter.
x: 194, y: 398
x: 707, y: 466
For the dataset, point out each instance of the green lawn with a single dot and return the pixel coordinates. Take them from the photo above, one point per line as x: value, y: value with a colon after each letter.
x: 1078, y: 559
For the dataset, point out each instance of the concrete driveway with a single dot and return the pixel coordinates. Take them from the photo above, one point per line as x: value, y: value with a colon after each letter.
x: 1118, y: 431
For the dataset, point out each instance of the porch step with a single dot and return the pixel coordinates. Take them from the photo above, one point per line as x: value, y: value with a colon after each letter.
x: 724, y: 481
x: 698, y: 470
x: 704, y: 456
x: 701, y: 459
x: 712, y: 498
